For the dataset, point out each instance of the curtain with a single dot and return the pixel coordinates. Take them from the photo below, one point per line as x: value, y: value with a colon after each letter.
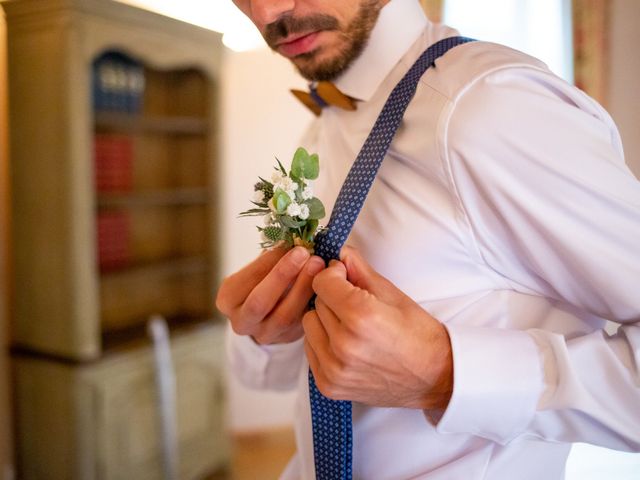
x: 590, y: 29
x: 433, y: 9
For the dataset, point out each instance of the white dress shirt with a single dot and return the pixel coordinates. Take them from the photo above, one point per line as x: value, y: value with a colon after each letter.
x: 505, y: 209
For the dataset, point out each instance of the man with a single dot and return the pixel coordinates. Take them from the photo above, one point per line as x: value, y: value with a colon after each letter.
x: 465, y: 319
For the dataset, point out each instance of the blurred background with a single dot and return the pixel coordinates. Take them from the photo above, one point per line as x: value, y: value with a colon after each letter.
x: 131, y: 134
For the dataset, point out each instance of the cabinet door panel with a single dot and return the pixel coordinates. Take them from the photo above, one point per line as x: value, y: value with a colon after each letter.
x: 128, y: 423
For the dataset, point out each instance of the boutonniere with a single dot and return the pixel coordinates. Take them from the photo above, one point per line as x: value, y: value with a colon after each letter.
x: 290, y: 211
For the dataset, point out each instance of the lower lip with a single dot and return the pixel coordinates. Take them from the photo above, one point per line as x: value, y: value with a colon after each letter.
x: 299, y: 46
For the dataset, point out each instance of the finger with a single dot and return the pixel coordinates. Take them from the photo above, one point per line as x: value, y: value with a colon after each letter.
x: 264, y: 296
x: 288, y: 312
x: 235, y: 288
x: 315, y: 333
x: 333, y: 288
x: 361, y: 274
x: 315, y: 345
x: 268, y: 336
x: 314, y: 364
x: 330, y: 322
x: 296, y: 300
x: 323, y: 364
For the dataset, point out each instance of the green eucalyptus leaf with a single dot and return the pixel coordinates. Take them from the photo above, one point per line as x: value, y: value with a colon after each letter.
x: 316, y: 209
x: 289, y: 222
x: 305, y: 165
x: 312, y: 167
x: 281, y: 200
x: 300, y: 158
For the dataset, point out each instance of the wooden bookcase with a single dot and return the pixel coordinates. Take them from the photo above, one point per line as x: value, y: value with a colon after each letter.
x: 65, y: 306
x: 166, y: 209
x: 91, y: 263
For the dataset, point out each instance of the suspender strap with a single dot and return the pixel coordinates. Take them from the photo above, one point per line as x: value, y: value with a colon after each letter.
x: 332, y: 429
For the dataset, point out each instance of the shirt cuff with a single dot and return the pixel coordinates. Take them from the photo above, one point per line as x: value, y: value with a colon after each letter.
x: 264, y: 366
x: 498, y: 379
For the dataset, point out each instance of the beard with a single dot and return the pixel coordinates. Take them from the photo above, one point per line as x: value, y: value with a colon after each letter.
x: 352, y: 39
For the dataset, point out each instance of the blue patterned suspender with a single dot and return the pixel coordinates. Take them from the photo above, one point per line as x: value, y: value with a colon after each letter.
x: 332, y: 430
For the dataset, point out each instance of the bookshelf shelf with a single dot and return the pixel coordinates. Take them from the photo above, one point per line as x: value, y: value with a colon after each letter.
x: 177, y: 197
x: 172, y: 125
x: 171, y: 266
x: 128, y: 339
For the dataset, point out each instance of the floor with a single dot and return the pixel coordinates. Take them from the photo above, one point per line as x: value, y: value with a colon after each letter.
x: 260, y: 455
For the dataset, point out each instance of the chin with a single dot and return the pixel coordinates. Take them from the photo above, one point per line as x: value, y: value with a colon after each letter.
x: 314, y: 67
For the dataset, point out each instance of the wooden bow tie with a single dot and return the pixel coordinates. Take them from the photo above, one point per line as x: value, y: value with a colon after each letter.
x: 323, y: 94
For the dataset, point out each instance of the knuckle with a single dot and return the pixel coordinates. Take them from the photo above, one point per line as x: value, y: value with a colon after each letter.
x: 263, y: 337
x: 255, y: 306
x: 280, y: 321
x: 355, y: 299
x: 238, y: 328
x: 327, y: 388
x: 222, y: 301
x: 308, y: 319
x: 285, y: 271
x: 360, y: 322
x: 342, y: 349
x: 335, y: 372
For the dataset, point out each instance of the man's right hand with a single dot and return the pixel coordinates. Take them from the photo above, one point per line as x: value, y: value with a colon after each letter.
x: 267, y: 298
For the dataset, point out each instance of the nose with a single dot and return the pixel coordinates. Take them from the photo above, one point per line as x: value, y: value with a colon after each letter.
x: 264, y: 12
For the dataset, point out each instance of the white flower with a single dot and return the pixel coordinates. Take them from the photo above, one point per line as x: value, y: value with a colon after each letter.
x: 307, y: 193
x: 258, y: 196
x: 287, y: 185
x: 293, y: 210
x: 271, y: 205
x: 276, y: 179
x: 284, y: 183
x: 304, y: 212
x: 268, y: 219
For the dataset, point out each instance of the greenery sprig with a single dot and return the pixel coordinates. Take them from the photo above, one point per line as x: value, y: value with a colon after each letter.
x: 290, y: 211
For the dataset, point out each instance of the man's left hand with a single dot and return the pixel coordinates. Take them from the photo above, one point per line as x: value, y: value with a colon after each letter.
x: 369, y: 342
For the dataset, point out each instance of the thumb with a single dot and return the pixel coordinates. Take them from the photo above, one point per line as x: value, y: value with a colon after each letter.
x: 364, y: 276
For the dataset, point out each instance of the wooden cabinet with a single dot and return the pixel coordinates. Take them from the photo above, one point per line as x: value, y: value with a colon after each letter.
x: 99, y: 420
x: 114, y: 214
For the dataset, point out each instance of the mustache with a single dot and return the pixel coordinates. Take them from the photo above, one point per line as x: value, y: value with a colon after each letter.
x: 287, y: 25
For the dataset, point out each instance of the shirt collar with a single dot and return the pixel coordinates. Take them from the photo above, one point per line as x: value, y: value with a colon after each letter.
x: 399, y: 25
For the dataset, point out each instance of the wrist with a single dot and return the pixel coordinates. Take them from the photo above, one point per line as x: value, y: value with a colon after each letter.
x: 440, y: 367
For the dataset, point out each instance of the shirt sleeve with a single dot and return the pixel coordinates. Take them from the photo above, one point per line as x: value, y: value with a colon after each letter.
x: 264, y: 367
x: 539, y: 172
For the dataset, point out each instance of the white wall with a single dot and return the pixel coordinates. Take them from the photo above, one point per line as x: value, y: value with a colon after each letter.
x: 262, y: 120
x: 624, y: 94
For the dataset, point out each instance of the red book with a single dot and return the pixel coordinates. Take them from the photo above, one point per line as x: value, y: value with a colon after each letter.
x: 113, y: 156
x: 113, y: 239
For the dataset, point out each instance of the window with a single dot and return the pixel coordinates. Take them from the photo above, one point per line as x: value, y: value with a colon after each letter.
x: 541, y: 28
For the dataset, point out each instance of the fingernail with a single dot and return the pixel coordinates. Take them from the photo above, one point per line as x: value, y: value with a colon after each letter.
x: 315, y: 266
x: 299, y: 255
